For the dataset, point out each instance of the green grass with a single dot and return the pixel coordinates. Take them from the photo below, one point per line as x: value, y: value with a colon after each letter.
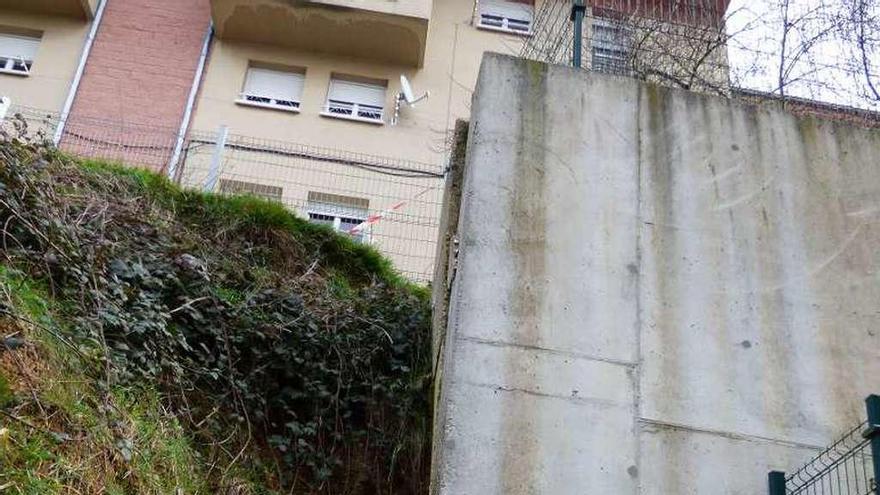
x: 6, y: 395
x: 163, y: 459
x: 356, y: 260
x: 36, y: 461
x: 71, y: 430
x: 28, y: 296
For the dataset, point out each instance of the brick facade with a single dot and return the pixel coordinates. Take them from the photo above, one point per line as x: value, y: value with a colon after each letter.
x: 140, y: 72
x: 812, y: 108
x: 700, y: 12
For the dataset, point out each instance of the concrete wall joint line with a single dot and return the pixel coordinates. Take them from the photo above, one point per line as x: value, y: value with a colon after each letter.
x: 637, y: 370
x: 518, y: 390
x: 575, y: 355
x: 731, y: 435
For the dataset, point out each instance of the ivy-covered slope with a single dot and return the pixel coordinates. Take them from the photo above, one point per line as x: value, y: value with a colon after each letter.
x: 154, y: 340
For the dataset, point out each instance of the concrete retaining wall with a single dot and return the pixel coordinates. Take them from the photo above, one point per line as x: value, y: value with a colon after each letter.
x: 657, y: 292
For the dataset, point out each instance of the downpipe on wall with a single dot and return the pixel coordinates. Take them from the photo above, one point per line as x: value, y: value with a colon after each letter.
x: 190, y: 103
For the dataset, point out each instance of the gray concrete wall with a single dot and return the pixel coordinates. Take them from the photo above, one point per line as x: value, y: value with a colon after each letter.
x: 657, y: 292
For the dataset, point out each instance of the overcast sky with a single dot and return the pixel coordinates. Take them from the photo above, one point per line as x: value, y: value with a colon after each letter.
x: 828, y: 72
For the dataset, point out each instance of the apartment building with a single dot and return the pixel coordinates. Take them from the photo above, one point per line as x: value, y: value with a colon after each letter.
x: 40, y: 45
x: 317, y: 87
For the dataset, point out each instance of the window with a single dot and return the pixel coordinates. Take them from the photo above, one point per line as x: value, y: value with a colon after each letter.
x: 272, y: 88
x: 356, y: 99
x: 341, y: 213
x: 610, y: 47
x: 17, y: 53
x: 514, y: 16
x: 272, y: 193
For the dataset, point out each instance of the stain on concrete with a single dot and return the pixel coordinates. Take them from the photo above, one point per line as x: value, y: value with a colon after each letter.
x: 748, y: 316
x: 527, y: 238
x: 632, y: 269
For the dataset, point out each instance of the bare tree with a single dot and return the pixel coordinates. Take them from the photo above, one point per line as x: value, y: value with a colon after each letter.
x: 689, y: 52
x: 802, y: 28
x: 859, y: 26
x: 817, y: 49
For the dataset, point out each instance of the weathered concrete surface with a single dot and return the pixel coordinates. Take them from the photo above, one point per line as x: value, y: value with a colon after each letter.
x: 657, y: 292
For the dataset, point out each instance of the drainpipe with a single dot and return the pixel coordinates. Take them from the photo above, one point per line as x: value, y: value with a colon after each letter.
x: 77, y: 78
x: 190, y: 103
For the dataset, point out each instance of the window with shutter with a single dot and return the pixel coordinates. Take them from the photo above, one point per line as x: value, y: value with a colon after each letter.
x: 232, y: 187
x: 353, y: 100
x: 273, y: 88
x: 341, y: 213
x: 513, y: 16
x: 17, y: 53
x: 610, y: 47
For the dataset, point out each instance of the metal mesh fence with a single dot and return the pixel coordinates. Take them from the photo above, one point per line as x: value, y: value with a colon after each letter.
x: 844, y: 468
x: 142, y: 145
x: 396, y: 203
x: 818, y: 50
x: 848, y: 467
x: 389, y: 203
x: 648, y: 40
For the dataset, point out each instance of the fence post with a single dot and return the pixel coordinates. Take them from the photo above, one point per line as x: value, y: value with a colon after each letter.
x: 578, y: 9
x: 216, y: 159
x: 5, y: 103
x: 777, y: 482
x: 873, y: 434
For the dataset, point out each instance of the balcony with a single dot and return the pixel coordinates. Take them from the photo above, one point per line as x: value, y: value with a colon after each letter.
x: 82, y: 9
x: 391, y: 31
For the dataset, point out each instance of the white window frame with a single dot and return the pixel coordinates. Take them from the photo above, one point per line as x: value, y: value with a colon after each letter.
x: 19, y: 64
x: 360, y: 111
x: 292, y: 104
x: 338, y: 213
x: 616, y: 54
x: 498, y: 15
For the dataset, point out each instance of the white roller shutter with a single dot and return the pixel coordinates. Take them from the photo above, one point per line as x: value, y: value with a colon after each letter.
x: 357, y: 93
x: 506, y: 14
x: 13, y: 46
x: 276, y: 85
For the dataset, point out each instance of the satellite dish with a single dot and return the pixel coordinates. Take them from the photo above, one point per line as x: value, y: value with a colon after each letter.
x: 407, y: 92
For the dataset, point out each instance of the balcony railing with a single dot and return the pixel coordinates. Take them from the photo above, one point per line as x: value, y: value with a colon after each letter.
x: 500, y: 23
x: 268, y: 102
x: 354, y: 111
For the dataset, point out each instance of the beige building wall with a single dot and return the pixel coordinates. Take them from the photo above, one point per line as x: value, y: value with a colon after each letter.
x: 452, y: 58
x: 454, y: 50
x: 61, y: 45
x: 407, y: 236
x: 455, y: 47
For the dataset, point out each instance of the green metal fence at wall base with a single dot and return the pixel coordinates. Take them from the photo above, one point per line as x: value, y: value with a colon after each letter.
x: 850, y: 466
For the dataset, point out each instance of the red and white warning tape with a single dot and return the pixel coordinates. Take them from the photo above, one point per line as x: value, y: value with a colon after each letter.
x: 377, y: 217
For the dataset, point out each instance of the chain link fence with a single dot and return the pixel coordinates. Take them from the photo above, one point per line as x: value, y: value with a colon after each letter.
x: 389, y: 203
